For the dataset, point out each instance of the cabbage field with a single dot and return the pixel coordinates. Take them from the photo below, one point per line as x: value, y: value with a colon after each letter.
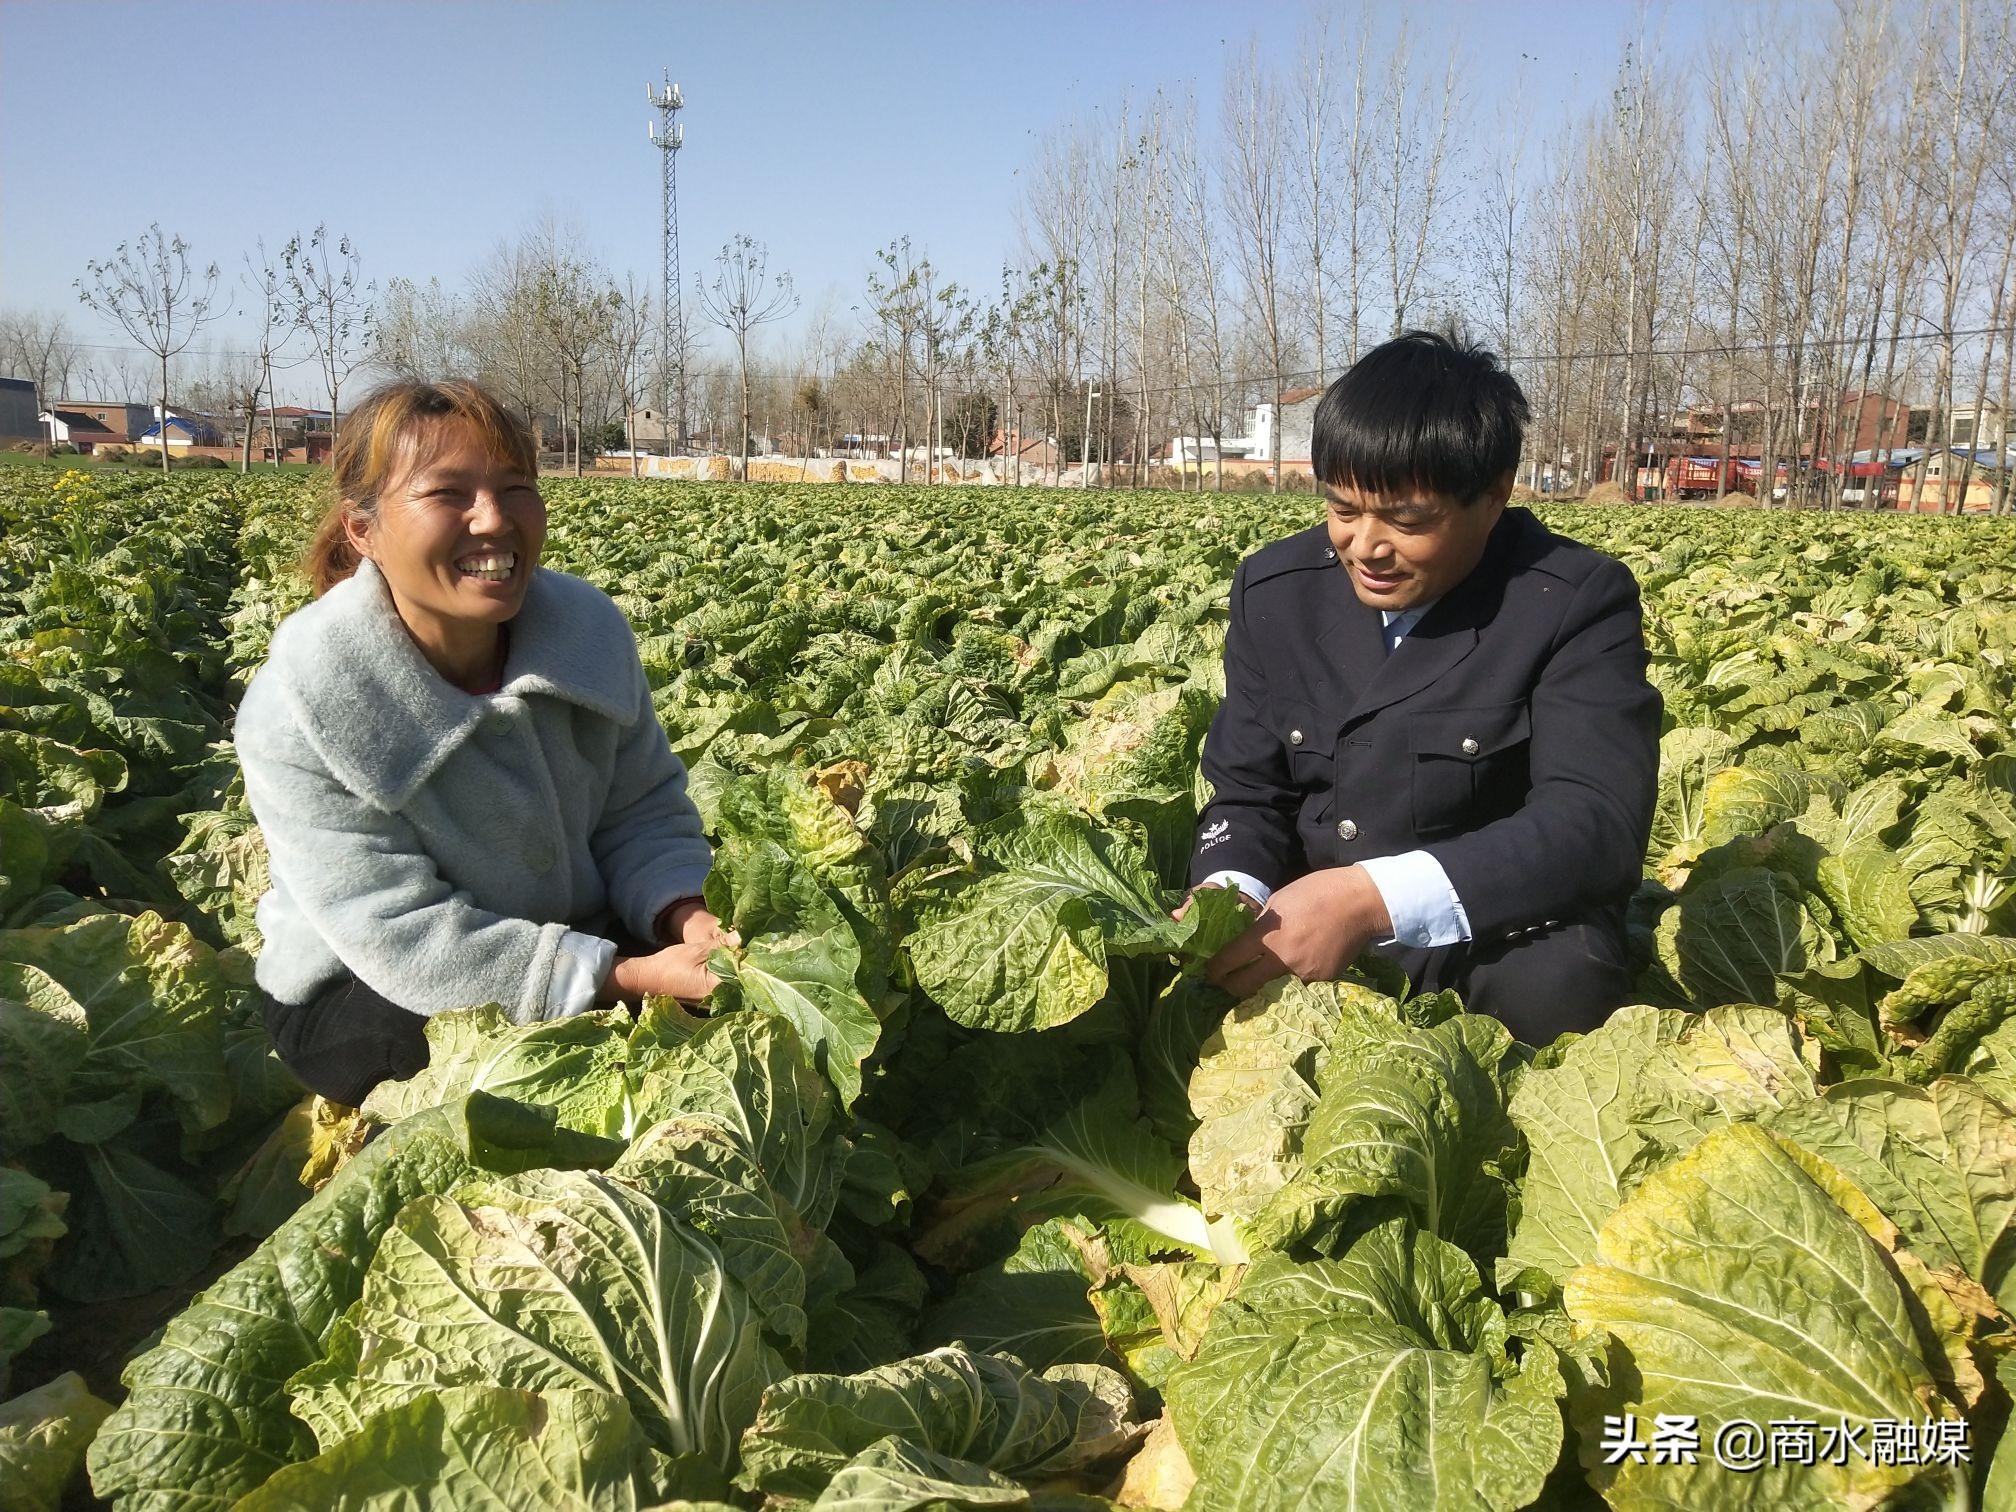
x: 967, y: 1190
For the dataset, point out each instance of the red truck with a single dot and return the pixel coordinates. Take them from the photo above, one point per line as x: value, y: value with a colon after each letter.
x: 1695, y: 477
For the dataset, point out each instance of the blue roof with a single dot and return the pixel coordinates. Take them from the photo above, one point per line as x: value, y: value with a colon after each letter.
x: 187, y: 427
x: 1982, y: 457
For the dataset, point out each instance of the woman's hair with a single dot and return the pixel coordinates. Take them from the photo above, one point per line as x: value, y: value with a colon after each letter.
x: 394, y: 428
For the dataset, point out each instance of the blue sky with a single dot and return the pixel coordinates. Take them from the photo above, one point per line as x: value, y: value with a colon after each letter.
x: 429, y: 131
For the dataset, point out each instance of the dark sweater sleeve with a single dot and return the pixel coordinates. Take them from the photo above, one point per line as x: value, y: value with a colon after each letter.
x: 1249, y: 825
x: 1579, y: 839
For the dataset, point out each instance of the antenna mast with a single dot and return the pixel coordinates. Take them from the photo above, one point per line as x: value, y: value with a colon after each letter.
x: 669, y: 136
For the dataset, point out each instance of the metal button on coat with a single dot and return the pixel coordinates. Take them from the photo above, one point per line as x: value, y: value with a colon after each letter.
x: 1347, y: 829
x: 1469, y: 745
x: 1294, y: 737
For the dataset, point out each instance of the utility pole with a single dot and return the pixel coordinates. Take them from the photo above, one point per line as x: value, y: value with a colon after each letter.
x: 668, y: 136
x: 1085, y: 442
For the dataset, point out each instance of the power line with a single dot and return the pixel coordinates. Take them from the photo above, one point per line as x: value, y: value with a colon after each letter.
x: 1725, y: 350
x: 1767, y: 346
x: 1257, y: 381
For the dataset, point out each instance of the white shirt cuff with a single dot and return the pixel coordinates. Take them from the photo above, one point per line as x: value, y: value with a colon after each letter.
x: 1252, y: 886
x: 579, y: 966
x: 1419, y: 898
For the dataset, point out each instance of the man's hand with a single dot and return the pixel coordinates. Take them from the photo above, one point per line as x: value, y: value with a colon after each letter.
x: 1312, y: 929
x: 1184, y: 907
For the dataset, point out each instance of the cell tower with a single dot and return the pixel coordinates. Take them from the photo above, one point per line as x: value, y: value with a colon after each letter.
x: 669, y: 136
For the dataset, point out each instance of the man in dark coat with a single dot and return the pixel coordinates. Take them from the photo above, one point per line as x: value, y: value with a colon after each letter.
x: 1437, y: 738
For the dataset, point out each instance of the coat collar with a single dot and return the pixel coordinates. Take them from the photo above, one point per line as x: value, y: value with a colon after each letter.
x: 384, y: 720
x: 1354, y: 647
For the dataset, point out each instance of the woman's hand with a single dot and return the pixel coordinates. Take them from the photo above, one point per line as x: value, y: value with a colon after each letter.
x: 678, y: 971
x: 691, y: 934
x: 688, y: 922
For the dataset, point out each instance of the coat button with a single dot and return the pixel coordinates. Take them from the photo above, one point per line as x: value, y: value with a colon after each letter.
x: 1294, y: 737
x: 1469, y: 745
x: 1347, y: 829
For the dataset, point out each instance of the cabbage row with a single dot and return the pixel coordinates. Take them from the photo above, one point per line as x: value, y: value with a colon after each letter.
x: 967, y: 1190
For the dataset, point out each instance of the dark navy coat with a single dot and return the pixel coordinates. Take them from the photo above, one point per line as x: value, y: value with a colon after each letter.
x: 1512, y: 734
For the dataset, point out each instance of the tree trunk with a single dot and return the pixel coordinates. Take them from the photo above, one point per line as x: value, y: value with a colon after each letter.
x: 743, y: 347
x: 902, y: 425
x: 251, y: 422
x: 1085, y: 444
x: 580, y: 413
x: 164, y: 414
x: 2007, y: 486
x: 272, y: 403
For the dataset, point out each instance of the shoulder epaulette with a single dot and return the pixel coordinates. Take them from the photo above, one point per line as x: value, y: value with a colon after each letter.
x: 1304, y: 550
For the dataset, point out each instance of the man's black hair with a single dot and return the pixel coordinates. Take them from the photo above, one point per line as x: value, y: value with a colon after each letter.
x: 1423, y: 412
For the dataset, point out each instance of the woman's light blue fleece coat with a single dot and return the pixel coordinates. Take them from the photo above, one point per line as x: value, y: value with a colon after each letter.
x: 439, y: 844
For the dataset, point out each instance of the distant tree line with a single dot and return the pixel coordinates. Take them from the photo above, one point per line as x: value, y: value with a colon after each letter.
x: 1715, y: 251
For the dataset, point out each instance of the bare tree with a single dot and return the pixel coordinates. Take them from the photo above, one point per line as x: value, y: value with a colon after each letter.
x: 418, y: 331
x: 1409, y: 177
x: 949, y: 320
x: 1501, y: 227
x: 742, y: 298
x: 630, y: 332
x: 1060, y: 244
x: 1313, y: 194
x: 896, y: 301
x: 266, y: 306
x: 118, y: 376
x: 149, y: 291
x: 332, y: 305
x: 1979, y: 84
x: 1641, y: 194
x: 1255, y: 201
x: 1149, y: 171
x: 1190, y: 174
x: 2004, y: 306
x: 1733, y: 129
x: 574, y: 309
x: 1358, y: 132
x: 504, y: 334
x: 39, y: 348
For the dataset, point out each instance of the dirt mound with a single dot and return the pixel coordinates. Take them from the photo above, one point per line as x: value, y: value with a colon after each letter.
x: 1607, y: 493
x: 1737, y: 500
x: 1521, y: 494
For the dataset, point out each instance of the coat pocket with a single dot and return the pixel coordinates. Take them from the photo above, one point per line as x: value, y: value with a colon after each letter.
x: 1312, y: 755
x: 1470, y: 765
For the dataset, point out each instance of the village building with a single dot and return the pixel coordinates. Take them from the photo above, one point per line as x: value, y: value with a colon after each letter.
x: 1264, y: 438
x: 182, y: 431
x: 78, y: 428
x: 90, y: 424
x: 19, y: 411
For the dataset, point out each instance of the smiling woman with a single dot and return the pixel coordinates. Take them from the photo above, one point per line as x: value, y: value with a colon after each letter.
x: 443, y: 482
x: 464, y: 789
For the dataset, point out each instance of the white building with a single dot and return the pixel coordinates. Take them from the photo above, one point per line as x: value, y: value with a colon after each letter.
x: 1298, y: 409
